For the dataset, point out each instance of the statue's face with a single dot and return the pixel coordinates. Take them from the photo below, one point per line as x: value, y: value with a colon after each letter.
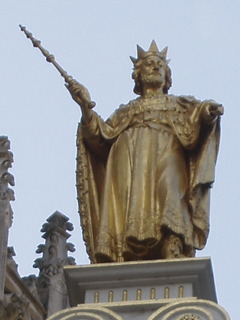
x: 153, y: 71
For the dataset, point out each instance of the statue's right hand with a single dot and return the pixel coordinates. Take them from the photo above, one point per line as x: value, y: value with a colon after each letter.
x: 79, y: 94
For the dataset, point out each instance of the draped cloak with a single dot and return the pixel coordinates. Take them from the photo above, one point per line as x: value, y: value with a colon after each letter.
x: 145, y: 172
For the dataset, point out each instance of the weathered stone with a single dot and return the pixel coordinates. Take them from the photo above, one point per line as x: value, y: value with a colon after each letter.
x: 51, y: 283
x: 6, y: 214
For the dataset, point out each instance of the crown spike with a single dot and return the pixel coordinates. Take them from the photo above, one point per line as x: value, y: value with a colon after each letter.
x: 153, y: 50
x: 153, y: 47
x: 164, y: 52
x: 134, y: 60
x: 140, y: 52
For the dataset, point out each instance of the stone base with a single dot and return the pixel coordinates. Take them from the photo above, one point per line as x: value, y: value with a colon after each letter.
x: 179, y: 289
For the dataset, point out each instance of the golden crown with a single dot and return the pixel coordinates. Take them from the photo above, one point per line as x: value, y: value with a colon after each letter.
x: 153, y: 51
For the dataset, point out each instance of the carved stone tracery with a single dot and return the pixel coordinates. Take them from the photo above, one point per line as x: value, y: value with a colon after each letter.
x: 189, y: 317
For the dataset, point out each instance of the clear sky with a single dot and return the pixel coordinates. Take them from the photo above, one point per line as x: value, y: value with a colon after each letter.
x: 92, y: 40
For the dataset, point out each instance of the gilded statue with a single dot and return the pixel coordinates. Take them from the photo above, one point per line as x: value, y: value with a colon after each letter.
x: 144, y: 175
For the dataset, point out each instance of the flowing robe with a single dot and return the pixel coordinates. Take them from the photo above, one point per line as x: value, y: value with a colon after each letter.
x: 145, y: 173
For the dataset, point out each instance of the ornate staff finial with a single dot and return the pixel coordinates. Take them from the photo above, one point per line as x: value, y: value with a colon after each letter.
x: 50, y: 58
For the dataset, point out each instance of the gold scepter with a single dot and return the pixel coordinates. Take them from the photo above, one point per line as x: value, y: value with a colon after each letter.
x: 50, y: 58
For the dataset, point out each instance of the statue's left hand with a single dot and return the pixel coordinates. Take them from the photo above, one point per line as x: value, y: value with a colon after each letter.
x: 214, y: 109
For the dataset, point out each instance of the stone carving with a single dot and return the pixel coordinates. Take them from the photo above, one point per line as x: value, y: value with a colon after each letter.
x: 173, y: 311
x: 14, y: 307
x: 81, y: 312
x: 20, y: 300
x: 190, y: 310
x: 10, y: 260
x: 56, y: 248
x: 144, y: 175
x: 189, y: 317
x: 51, y: 283
x: 6, y: 213
x: 30, y: 281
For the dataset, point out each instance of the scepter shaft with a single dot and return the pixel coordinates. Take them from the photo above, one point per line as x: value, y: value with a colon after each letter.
x: 50, y: 58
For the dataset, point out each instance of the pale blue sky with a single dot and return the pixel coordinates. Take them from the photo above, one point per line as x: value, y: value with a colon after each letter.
x: 92, y: 40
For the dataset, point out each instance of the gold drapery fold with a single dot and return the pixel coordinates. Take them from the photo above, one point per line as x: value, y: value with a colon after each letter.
x: 198, y: 140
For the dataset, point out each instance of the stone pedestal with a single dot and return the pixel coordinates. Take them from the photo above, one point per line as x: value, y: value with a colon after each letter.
x: 181, y: 289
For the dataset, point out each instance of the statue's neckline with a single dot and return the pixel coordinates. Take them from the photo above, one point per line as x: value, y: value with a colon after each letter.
x: 153, y: 96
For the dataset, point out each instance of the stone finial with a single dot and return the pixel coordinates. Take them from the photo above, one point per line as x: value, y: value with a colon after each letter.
x: 6, y: 213
x: 6, y: 194
x: 55, y: 250
x: 51, y: 283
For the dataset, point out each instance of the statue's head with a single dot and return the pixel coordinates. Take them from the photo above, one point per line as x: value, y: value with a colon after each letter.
x: 145, y: 58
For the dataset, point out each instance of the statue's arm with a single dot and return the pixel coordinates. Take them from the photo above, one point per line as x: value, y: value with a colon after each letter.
x: 206, y: 111
x: 210, y: 111
x: 91, y: 134
x: 90, y: 122
x: 81, y: 96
